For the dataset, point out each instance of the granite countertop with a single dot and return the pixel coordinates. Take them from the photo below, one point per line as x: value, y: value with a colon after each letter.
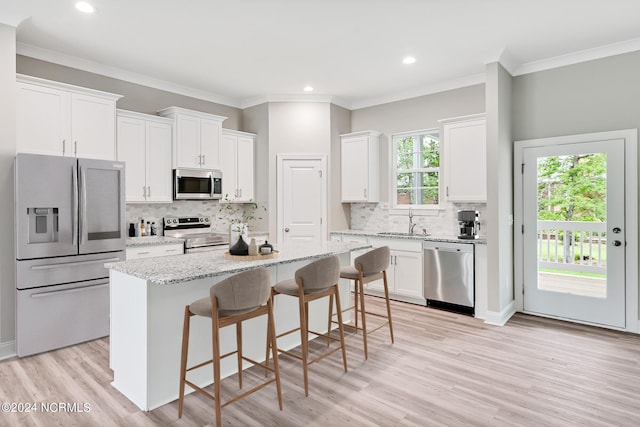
x: 133, y: 242
x: 183, y: 268
x: 416, y: 236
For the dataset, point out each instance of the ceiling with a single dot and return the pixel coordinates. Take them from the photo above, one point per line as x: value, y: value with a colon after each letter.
x: 242, y: 52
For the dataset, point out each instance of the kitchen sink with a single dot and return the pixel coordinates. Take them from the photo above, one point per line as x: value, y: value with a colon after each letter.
x: 399, y: 233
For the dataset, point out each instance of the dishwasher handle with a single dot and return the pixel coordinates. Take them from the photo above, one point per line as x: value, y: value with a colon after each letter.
x: 437, y: 248
x: 453, y: 248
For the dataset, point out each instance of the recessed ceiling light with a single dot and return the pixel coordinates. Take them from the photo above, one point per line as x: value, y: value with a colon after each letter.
x: 85, y: 7
x: 409, y: 60
x: 308, y: 89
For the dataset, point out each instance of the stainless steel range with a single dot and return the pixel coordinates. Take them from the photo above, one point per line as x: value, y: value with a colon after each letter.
x: 197, y: 232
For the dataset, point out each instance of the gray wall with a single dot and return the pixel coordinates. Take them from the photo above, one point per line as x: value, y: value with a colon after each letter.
x: 136, y: 97
x: 256, y: 120
x: 339, y: 213
x: 413, y: 114
x: 594, y: 96
x: 588, y: 97
x: 295, y: 127
x: 7, y: 153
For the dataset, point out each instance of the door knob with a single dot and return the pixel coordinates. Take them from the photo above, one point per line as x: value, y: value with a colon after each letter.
x: 286, y: 230
x: 617, y: 243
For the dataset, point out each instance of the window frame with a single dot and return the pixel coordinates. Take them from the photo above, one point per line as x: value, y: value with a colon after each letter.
x: 393, y: 189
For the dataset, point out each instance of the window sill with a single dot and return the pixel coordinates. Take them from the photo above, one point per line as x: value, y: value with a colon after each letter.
x: 417, y: 211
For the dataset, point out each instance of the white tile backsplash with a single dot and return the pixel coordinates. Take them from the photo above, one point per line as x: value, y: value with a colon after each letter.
x: 441, y: 222
x: 157, y: 211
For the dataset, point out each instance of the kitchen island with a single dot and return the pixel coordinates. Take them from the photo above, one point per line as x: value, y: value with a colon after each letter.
x: 148, y: 297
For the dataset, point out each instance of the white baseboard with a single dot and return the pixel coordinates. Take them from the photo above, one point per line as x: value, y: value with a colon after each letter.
x: 500, y: 318
x: 7, y: 350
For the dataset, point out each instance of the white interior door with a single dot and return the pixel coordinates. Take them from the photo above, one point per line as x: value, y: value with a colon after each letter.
x: 574, y: 236
x: 302, y: 198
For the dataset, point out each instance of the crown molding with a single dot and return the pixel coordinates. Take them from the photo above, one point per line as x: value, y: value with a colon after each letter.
x: 257, y: 100
x: 504, y: 58
x: 441, y: 86
x: 12, y: 19
x: 577, y: 57
x: 120, y: 74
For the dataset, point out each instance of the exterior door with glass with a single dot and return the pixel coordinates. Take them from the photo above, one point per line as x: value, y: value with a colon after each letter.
x: 573, y: 212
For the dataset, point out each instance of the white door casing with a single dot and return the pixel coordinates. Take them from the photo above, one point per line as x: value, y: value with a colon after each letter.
x: 302, y: 197
x: 619, y: 309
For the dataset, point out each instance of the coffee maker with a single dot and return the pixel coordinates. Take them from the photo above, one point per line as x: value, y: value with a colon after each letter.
x: 469, y: 224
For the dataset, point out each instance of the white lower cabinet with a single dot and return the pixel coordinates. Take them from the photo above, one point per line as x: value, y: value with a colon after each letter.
x: 404, y: 275
x: 150, y: 251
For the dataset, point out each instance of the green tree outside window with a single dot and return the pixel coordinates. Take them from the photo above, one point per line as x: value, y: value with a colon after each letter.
x: 417, y: 169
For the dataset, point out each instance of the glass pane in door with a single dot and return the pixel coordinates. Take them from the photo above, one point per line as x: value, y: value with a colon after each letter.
x: 103, y: 204
x: 572, y: 216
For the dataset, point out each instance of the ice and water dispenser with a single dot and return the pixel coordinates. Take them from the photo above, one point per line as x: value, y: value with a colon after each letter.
x: 43, y: 225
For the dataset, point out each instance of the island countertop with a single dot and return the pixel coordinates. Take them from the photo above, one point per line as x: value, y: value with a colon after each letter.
x: 183, y: 268
x: 407, y: 236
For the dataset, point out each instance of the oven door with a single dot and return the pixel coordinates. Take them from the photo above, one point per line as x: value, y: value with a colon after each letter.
x: 217, y: 248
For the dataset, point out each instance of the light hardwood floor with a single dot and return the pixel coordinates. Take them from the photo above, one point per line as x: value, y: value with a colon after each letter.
x: 444, y: 369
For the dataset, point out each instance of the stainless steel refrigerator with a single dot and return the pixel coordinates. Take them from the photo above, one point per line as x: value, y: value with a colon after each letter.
x: 69, y: 221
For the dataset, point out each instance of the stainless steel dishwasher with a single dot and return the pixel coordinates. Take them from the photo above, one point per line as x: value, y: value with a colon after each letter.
x: 449, y: 276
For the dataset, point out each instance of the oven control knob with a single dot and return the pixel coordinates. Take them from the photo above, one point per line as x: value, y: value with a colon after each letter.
x: 206, y: 220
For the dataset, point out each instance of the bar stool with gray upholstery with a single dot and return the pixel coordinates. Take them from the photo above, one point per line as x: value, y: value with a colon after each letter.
x: 316, y: 280
x: 231, y: 301
x: 366, y: 268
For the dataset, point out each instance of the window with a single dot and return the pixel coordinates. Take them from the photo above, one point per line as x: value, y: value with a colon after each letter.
x: 417, y: 168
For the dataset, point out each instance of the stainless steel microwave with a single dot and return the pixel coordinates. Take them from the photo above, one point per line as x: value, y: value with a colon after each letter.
x: 197, y: 184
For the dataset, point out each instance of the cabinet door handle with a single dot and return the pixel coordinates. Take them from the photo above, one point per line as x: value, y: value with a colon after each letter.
x: 64, y: 146
x: 75, y: 148
x: 204, y: 159
x: 149, y: 191
x: 199, y: 159
x: 144, y: 193
x: 240, y: 192
x: 365, y: 192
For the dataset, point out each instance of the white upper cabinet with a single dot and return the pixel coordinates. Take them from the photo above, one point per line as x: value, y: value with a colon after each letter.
x: 237, y: 165
x: 465, y: 158
x: 360, y: 167
x: 144, y: 144
x: 64, y: 120
x: 196, y: 138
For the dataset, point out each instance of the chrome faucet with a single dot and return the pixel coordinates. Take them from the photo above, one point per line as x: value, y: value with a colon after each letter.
x: 411, y: 224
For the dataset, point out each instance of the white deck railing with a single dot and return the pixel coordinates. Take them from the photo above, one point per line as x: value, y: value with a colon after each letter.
x: 586, y: 252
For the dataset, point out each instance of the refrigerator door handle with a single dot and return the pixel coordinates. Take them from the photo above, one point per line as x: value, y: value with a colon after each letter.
x: 73, y: 264
x: 74, y: 216
x: 70, y: 291
x: 83, y: 203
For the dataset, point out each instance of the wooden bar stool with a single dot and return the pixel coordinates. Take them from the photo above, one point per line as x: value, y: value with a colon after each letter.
x: 240, y: 297
x: 316, y: 280
x: 366, y: 268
